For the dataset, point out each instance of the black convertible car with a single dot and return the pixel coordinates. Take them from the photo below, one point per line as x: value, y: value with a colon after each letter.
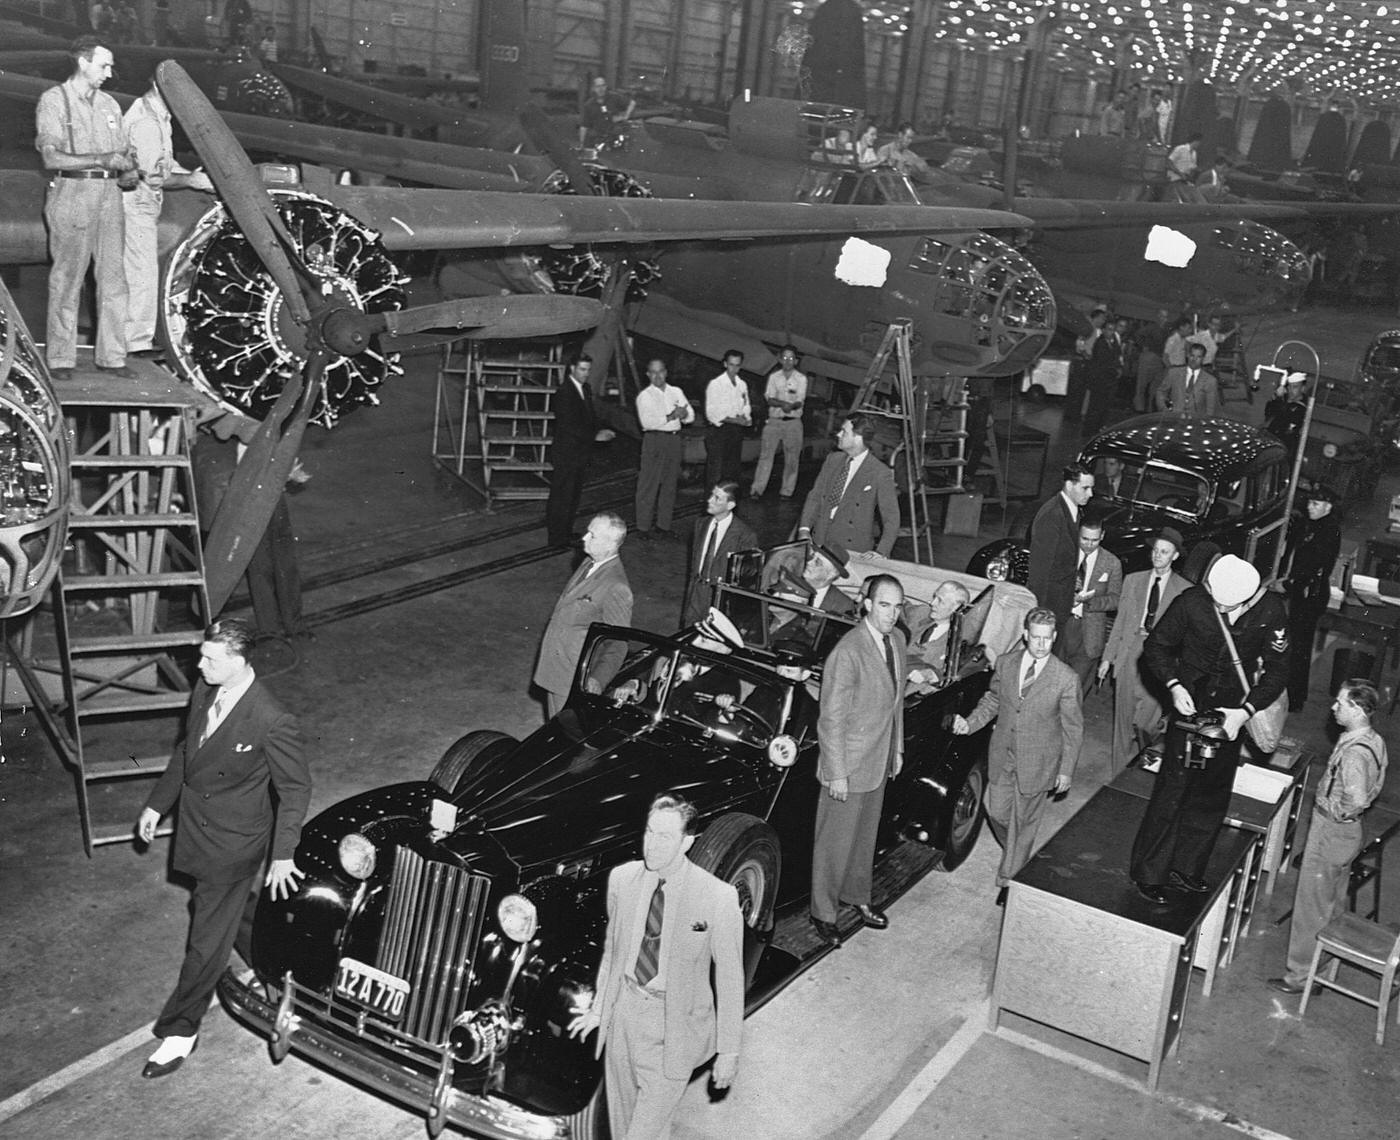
x: 448, y: 930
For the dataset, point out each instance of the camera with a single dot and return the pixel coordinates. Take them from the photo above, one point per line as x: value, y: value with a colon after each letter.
x: 1202, y: 737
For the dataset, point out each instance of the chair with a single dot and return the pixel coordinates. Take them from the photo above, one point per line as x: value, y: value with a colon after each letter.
x: 1371, y: 946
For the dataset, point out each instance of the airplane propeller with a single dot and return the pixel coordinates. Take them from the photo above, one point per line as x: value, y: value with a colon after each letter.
x: 332, y: 325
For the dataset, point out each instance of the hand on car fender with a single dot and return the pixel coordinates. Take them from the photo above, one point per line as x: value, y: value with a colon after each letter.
x: 960, y: 726
x: 584, y: 1023
x: 282, y: 877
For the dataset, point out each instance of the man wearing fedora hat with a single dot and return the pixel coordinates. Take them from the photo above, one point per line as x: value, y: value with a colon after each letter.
x: 1313, y: 548
x: 1189, y: 653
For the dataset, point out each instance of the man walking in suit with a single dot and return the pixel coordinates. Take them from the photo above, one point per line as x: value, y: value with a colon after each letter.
x: 717, y: 536
x: 1034, y: 699
x: 727, y: 414
x: 575, y: 431
x: 785, y: 393
x: 661, y: 410
x: 239, y: 746
x: 656, y: 1010
x: 598, y: 591
x: 1098, y: 581
x: 1137, y: 701
x: 860, y: 731
x: 1055, y: 542
x: 850, y: 488
x: 1191, y: 389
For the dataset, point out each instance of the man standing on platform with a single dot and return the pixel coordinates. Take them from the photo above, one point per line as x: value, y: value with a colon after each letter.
x: 727, y: 414
x: 860, y: 731
x: 1034, y: 699
x: 717, y: 536
x: 1189, y: 652
x: 1098, y: 581
x: 575, y: 431
x: 1348, y: 786
x: 1315, y: 545
x: 1137, y: 705
x: 784, y: 394
x: 659, y: 1012
x: 661, y: 410
x: 850, y: 488
x: 79, y: 132
x: 1054, y: 541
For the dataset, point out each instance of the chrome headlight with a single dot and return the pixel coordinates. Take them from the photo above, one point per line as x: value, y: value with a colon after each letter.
x: 518, y: 918
x: 1329, y: 450
x: 357, y: 856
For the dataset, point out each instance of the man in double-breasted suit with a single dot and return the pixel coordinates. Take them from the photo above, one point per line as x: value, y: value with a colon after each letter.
x: 1054, y: 541
x: 658, y: 1014
x: 860, y: 732
x: 851, y: 488
x: 718, y: 535
x: 1098, y: 581
x: 575, y: 430
x: 1034, y: 699
x: 1137, y: 701
x: 597, y: 591
x: 239, y: 746
x: 1190, y: 389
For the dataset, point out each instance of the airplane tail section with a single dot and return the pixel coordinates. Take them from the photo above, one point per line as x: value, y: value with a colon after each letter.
x: 504, y: 62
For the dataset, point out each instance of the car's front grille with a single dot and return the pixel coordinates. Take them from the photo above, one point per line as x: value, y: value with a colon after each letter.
x: 431, y: 922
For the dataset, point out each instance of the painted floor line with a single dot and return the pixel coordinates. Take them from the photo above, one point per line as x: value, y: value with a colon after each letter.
x: 55, y: 1082
x: 903, y: 1107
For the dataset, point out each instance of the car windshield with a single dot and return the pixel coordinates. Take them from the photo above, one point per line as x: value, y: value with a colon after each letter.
x: 724, y: 701
x: 1156, y: 485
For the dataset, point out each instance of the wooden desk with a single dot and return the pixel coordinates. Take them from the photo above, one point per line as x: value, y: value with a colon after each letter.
x: 1378, y: 626
x: 1083, y: 954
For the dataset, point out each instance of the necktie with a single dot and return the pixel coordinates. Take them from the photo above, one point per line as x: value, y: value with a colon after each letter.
x: 894, y: 678
x: 1079, y: 575
x: 708, y: 553
x: 1190, y: 383
x: 650, y: 951
x: 1029, y: 677
x: 838, y: 489
x: 889, y: 661
x: 580, y: 574
x: 216, y: 712
x: 1154, y: 599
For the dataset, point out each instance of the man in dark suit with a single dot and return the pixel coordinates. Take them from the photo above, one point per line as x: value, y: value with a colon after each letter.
x: 597, y: 591
x: 1190, y: 389
x: 851, y: 487
x: 656, y: 1009
x: 929, y: 627
x: 717, y: 536
x: 1314, y: 547
x: 1098, y: 580
x: 239, y: 745
x: 816, y: 588
x: 860, y: 730
x: 575, y: 431
x: 1054, y: 541
x: 1101, y: 372
x: 1034, y: 699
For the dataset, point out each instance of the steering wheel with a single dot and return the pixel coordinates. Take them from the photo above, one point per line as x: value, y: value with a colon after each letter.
x: 757, y: 722
x: 1178, y: 502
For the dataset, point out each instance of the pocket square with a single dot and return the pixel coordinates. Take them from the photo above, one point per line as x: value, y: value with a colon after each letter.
x: 867, y: 487
x: 243, y: 748
x: 1104, y: 576
x: 700, y: 926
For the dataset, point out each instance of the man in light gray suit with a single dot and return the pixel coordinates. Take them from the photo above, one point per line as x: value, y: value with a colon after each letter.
x: 598, y: 591
x: 860, y: 730
x: 1098, y: 580
x: 1034, y: 699
x: 655, y: 1007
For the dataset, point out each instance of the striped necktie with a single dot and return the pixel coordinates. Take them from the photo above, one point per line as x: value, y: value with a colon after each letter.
x: 650, y: 952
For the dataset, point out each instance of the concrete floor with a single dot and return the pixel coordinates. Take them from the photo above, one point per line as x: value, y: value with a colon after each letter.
x: 884, y: 1038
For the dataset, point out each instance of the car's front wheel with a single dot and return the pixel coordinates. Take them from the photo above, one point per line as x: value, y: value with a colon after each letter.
x: 591, y: 1121
x: 743, y: 850
x: 964, y: 819
x: 468, y: 756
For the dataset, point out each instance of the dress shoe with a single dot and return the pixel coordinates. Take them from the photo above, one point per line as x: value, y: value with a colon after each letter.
x: 169, y: 1056
x: 1153, y: 893
x: 827, y: 932
x: 875, y: 919
x: 1189, y: 882
x: 121, y: 371
x: 1284, y: 986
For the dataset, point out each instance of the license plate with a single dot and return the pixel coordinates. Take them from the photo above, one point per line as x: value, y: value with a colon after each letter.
x: 383, y: 993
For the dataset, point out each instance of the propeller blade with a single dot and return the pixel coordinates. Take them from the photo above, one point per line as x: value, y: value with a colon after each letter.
x: 518, y: 317
x: 540, y: 130
x: 237, y: 181
x: 257, y: 485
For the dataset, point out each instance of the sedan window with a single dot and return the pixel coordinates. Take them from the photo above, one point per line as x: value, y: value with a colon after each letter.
x: 1169, y: 488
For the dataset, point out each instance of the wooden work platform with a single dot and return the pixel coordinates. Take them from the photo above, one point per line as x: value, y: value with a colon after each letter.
x: 154, y: 386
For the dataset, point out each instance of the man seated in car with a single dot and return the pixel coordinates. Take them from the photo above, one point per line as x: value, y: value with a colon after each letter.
x: 816, y: 588
x: 929, y: 627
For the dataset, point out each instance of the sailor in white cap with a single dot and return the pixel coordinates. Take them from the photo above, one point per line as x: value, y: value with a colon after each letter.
x: 1189, y: 651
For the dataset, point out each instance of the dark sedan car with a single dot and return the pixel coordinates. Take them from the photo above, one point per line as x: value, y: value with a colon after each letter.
x: 448, y: 930
x: 1217, y: 481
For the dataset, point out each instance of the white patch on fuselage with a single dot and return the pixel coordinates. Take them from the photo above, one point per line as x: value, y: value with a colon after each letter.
x: 1170, y: 247
x: 862, y: 263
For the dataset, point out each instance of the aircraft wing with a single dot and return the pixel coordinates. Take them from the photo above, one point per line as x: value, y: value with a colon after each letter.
x: 1073, y: 213
x: 416, y: 113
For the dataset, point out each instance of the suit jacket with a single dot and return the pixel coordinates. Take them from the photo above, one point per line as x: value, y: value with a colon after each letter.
x: 1107, y: 584
x: 933, y: 652
x: 853, y: 526
x: 575, y: 424
x: 604, y: 596
x: 226, y: 819
x: 1038, y: 734
x: 699, y: 588
x: 1054, y: 554
x: 1205, y: 396
x: 861, y: 708
x: 700, y: 926
x: 1125, y: 642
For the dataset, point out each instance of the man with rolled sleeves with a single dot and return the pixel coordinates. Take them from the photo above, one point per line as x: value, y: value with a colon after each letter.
x: 785, y: 393
x: 242, y: 787
x: 80, y: 134
x: 661, y: 410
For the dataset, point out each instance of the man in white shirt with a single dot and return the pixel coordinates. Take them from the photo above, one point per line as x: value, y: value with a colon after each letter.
x: 784, y: 394
x: 1211, y: 338
x: 661, y: 409
x: 1181, y: 162
x: 727, y: 414
x: 900, y: 154
x: 1098, y: 583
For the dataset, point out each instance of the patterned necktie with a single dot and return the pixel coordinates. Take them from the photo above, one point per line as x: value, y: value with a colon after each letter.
x: 1029, y: 677
x: 838, y: 488
x: 650, y: 951
x: 1079, y: 574
x: 216, y: 712
x: 708, y: 553
x: 1154, y: 599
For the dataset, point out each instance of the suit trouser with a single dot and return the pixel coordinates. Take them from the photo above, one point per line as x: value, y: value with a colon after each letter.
x: 1014, y: 817
x: 565, y: 490
x: 1184, y: 815
x: 554, y: 702
x: 786, y: 434
x: 724, y: 446
x: 141, y: 210
x: 657, y: 477
x: 1074, y: 653
x: 1322, y: 887
x: 1136, y: 714
x: 1302, y: 628
x: 86, y: 225
x: 843, y: 851
x: 222, y: 914
x: 641, y: 1097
